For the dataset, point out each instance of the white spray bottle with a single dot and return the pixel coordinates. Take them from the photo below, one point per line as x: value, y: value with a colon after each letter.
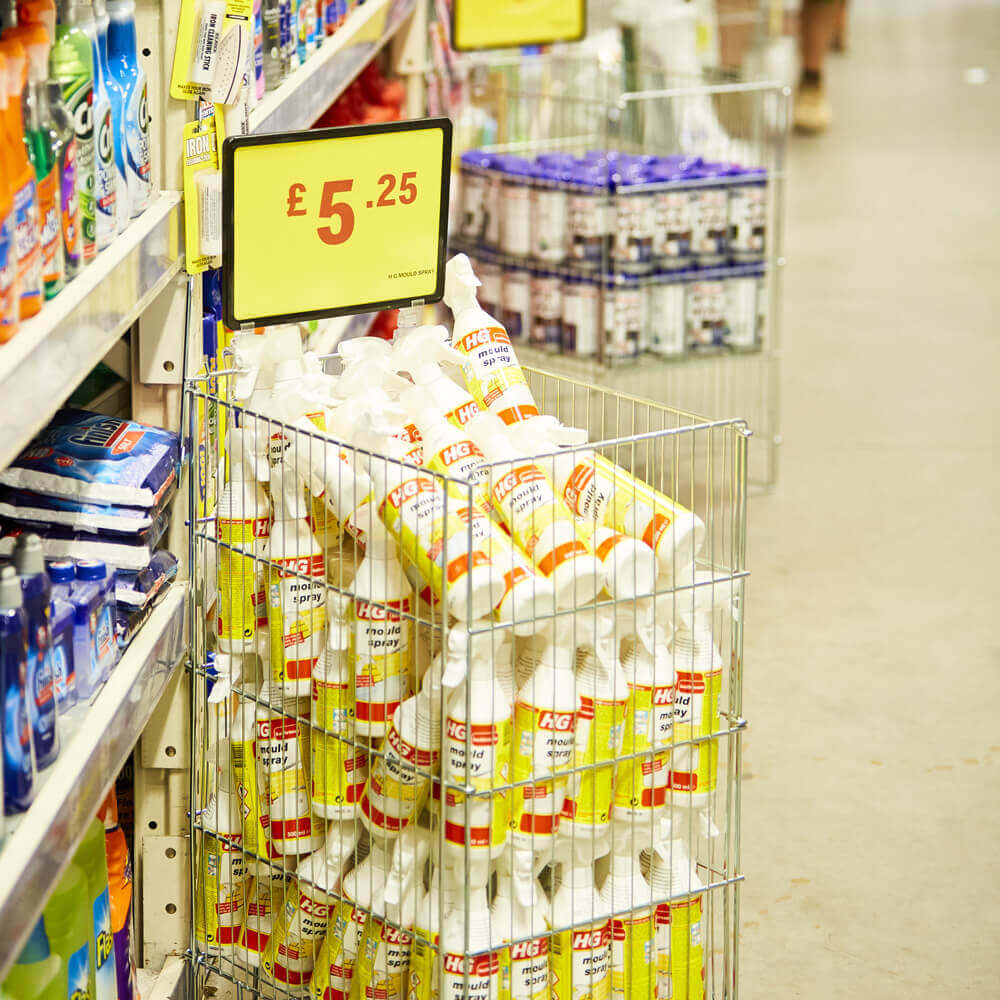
x: 492, y: 373
x: 680, y: 953
x: 580, y: 945
x: 242, y: 527
x: 339, y: 765
x: 296, y: 588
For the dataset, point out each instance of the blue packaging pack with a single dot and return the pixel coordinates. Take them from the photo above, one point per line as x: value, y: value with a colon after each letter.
x: 23, y: 505
x: 137, y: 588
x: 95, y: 458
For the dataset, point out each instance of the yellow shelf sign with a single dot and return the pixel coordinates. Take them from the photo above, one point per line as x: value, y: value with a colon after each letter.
x: 497, y: 24
x: 334, y: 221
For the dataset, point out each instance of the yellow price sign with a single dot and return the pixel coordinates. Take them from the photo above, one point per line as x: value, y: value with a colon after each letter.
x: 496, y: 24
x: 334, y: 221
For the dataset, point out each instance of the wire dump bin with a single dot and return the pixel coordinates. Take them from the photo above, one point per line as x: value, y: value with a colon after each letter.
x: 468, y: 735
x: 619, y: 214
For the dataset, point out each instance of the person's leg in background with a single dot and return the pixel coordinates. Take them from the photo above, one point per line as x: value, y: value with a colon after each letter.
x: 819, y: 21
x: 839, y: 40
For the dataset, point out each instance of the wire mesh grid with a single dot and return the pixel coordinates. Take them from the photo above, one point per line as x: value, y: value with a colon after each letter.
x: 618, y: 212
x: 466, y: 734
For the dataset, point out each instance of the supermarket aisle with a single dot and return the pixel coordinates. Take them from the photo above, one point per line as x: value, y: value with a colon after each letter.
x: 873, y: 757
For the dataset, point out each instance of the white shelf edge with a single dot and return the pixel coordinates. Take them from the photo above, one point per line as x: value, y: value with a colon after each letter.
x: 309, y: 90
x: 95, y: 743
x: 52, y: 352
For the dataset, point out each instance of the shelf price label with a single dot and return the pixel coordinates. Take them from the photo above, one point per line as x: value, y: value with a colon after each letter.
x: 493, y: 24
x: 334, y: 221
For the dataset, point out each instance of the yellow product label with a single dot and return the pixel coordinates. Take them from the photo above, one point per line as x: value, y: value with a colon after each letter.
x: 415, y: 514
x: 423, y: 984
x: 244, y: 766
x: 281, y: 783
x: 299, y: 928
x: 493, y: 376
x: 580, y: 963
x: 478, y: 753
x: 680, y: 954
x: 219, y: 904
x: 694, y: 767
x: 544, y: 741
x: 642, y: 783
x: 472, y: 977
x: 529, y: 969
x: 338, y: 767
x: 398, y: 783
x: 529, y: 506
x: 379, y: 653
x: 464, y: 460
x: 480, y: 24
x: 477, y: 821
x: 238, y: 576
x: 696, y: 701
x: 650, y: 717
x: 633, y: 958
x: 296, y: 598
x: 635, y: 508
x: 600, y: 730
x: 383, y: 960
x: 282, y: 749
x: 335, y: 961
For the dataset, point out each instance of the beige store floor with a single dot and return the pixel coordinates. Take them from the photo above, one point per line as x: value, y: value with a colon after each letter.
x: 872, y: 800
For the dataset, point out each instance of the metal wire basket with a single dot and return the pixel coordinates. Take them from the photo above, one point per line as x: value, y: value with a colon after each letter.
x: 399, y: 792
x: 676, y: 265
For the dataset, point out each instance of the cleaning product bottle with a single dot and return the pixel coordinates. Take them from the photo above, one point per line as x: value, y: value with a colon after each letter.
x: 296, y: 588
x: 580, y: 945
x: 401, y: 771
x: 333, y: 970
x: 63, y: 664
x: 42, y: 141
x: 600, y: 726
x: 105, y: 178
x: 544, y: 720
x: 38, y: 974
x: 123, y: 62
x: 381, y: 648
x: 384, y: 952
x: 627, y: 896
x: 242, y: 526
x: 283, y: 756
x: 91, y: 857
x: 43, y: 12
x: 27, y: 231
x: 519, y: 922
x: 680, y: 954
x: 259, y: 80
x: 95, y: 573
x: 10, y: 300
x: 423, y: 980
x: 37, y: 593
x: 71, y: 64
x: 18, y: 748
x: 538, y: 520
x: 471, y: 963
x: 492, y: 373
x: 219, y: 898
x: 477, y: 748
x: 420, y: 352
x: 650, y: 719
x: 698, y: 664
x: 116, y: 98
x: 301, y: 924
x: 120, y: 890
x: 265, y: 894
x: 339, y: 765
x: 69, y: 927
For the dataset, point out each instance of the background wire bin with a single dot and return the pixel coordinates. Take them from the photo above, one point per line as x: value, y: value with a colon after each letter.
x: 602, y: 201
x: 402, y: 792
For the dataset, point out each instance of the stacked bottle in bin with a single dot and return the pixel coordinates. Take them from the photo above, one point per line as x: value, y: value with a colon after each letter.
x: 615, y: 253
x: 460, y: 728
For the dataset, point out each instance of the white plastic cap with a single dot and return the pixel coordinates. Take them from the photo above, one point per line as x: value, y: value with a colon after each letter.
x: 460, y: 284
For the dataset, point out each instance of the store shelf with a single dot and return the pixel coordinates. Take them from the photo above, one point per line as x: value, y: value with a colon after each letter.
x: 96, y: 740
x: 324, y: 76
x: 52, y: 353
